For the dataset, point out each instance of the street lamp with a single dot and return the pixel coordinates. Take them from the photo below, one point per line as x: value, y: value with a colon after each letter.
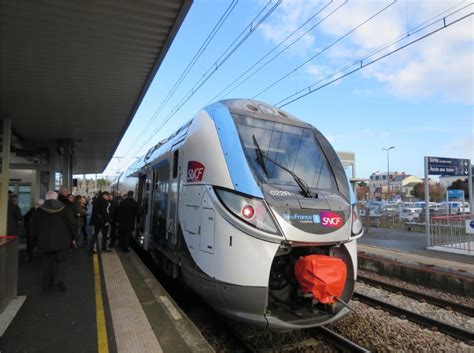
x: 388, y: 169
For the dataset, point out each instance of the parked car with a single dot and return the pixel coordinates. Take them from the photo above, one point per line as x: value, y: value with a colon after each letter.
x: 375, y: 208
x: 392, y: 210
x: 456, y: 207
x: 411, y: 214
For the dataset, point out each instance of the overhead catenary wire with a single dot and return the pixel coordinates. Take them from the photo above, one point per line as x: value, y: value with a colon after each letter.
x: 221, y: 60
x: 262, y: 15
x: 293, y: 42
x: 362, y: 63
x: 305, y: 33
x: 186, y: 71
x: 318, y: 12
x: 196, y: 57
x: 324, y: 49
x: 358, y: 64
x: 245, y: 34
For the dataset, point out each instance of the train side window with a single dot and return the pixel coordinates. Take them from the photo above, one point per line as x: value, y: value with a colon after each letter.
x: 175, y: 163
x: 141, y: 188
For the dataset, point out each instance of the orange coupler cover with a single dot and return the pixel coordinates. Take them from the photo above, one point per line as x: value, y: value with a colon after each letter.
x: 323, y: 276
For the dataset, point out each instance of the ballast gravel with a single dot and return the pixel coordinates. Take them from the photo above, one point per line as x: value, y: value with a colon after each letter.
x: 448, y: 316
x: 468, y: 301
x: 380, y: 331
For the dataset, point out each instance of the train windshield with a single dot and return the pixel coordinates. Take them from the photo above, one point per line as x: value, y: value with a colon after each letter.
x: 293, y: 147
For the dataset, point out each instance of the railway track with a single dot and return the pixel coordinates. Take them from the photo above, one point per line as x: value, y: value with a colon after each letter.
x: 428, y: 322
x: 464, y: 309
x: 308, y: 338
x: 341, y: 342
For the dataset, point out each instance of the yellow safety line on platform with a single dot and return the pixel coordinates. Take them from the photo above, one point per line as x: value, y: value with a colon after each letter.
x: 102, y: 342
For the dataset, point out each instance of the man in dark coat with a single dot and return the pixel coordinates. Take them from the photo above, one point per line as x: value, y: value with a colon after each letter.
x: 14, y: 216
x: 126, y: 216
x: 112, y: 208
x: 100, y: 220
x: 28, y: 221
x: 54, y: 229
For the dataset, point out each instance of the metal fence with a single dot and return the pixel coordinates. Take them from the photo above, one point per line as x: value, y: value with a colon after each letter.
x: 393, y: 222
x: 450, y: 232
x: 8, y: 269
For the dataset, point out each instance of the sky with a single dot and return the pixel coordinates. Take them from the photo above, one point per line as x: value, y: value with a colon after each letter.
x: 418, y: 97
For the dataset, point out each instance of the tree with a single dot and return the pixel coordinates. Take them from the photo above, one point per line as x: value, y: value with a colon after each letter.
x: 418, y: 191
x: 437, y: 191
x: 102, y: 184
x: 362, y: 192
x: 460, y: 185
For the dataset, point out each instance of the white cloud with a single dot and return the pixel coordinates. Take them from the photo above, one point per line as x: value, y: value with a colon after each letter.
x: 318, y: 71
x: 363, y: 92
x: 290, y: 15
x: 461, y: 147
x: 439, y: 66
x: 367, y: 134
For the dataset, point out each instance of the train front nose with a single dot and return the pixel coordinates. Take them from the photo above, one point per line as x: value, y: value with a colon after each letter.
x: 310, y: 285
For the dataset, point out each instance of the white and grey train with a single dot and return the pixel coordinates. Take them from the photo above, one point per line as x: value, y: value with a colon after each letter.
x: 234, y: 198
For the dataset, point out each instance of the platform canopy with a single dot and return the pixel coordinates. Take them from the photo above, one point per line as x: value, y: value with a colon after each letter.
x: 79, y: 69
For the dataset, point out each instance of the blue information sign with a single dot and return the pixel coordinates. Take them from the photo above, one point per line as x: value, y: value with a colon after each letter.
x: 456, y: 194
x: 448, y: 166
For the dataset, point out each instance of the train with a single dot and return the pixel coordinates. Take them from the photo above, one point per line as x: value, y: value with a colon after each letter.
x: 250, y: 207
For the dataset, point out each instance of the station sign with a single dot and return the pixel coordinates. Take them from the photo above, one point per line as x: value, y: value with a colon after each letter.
x: 448, y: 166
x: 456, y: 194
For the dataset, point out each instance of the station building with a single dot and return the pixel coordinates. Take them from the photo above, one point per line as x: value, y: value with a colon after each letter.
x: 401, y: 183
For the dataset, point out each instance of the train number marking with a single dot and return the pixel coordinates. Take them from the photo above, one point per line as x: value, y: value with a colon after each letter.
x: 279, y: 193
x: 195, y: 171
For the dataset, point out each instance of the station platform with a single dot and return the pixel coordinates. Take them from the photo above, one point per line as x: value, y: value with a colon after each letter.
x: 113, y: 303
x: 403, y: 254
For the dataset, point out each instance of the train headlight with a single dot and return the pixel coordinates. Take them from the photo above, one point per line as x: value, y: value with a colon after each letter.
x: 248, y: 212
x: 248, y: 209
x: 357, y: 226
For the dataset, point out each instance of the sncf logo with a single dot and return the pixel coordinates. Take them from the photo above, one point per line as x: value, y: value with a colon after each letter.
x: 330, y: 219
x: 195, y: 171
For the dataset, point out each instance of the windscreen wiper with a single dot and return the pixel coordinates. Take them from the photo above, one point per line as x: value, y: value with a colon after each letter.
x: 260, y: 158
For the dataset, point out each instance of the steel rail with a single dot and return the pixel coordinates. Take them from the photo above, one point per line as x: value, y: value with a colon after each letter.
x: 428, y: 322
x: 341, y: 342
x: 246, y: 345
x: 419, y: 296
x: 327, y: 335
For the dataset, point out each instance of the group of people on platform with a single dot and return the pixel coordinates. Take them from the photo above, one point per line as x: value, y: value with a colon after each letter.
x: 108, y: 214
x: 58, y: 223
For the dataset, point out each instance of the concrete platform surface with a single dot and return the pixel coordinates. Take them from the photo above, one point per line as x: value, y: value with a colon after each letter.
x: 403, y: 255
x: 113, y: 304
x: 410, y: 242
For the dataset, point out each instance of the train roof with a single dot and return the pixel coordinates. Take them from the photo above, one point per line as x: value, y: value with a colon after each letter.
x: 236, y: 105
x: 260, y: 109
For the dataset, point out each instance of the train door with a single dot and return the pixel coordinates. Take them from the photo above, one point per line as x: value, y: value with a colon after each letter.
x: 142, y: 200
x: 159, y: 206
x: 173, y: 195
x: 146, y: 210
